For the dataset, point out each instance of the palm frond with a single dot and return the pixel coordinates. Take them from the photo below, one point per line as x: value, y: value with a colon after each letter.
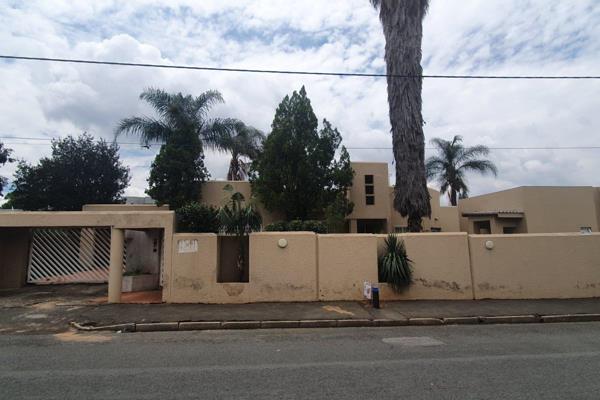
x: 482, y: 166
x: 148, y: 129
x: 203, y: 103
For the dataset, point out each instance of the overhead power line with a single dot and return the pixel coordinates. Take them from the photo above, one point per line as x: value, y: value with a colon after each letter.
x: 48, y: 139
x: 292, y: 72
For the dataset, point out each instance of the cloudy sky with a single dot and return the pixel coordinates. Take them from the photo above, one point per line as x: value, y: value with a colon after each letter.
x: 508, y: 37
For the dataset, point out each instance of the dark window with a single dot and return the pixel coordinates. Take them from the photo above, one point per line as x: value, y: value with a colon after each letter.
x: 369, y: 190
x: 436, y: 229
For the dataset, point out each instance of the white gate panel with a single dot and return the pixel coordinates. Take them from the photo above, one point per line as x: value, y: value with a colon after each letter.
x: 70, y: 255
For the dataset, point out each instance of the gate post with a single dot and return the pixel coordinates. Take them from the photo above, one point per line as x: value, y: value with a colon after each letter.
x: 115, y: 272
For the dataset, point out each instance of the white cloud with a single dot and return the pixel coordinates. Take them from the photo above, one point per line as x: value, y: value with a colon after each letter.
x: 491, y: 37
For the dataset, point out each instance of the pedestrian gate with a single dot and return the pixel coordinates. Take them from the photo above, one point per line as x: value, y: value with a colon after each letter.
x: 70, y: 255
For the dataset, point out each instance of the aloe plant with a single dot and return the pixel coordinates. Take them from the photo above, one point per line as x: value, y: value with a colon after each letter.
x: 395, y: 267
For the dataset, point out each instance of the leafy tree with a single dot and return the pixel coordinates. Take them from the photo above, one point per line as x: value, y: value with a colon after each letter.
x: 403, y: 30
x: 243, y: 142
x: 297, y: 172
x: 4, y: 158
x: 239, y: 218
x: 196, y: 217
x: 79, y: 171
x: 183, y: 126
x: 453, y: 162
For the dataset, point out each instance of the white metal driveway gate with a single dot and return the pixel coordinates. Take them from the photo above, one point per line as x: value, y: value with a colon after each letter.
x: 69, y: 255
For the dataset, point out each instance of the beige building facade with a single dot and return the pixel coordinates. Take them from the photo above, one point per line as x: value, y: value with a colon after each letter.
x: 532, y: 209
x: 373, y: 199
x: 371, y: 194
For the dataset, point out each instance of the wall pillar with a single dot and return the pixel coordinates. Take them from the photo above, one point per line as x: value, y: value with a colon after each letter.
x: 115, y: 272
x: 353, y: 226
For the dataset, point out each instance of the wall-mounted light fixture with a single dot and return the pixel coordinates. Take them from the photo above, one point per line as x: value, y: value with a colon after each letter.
x: 282, y: 243
x: 489, y: 245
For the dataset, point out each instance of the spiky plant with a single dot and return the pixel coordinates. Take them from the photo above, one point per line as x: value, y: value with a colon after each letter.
x: 395, y: 267
x: 402, y: 22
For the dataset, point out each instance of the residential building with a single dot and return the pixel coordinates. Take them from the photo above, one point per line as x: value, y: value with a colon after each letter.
x: 532, y: 209
x: 372, y: 196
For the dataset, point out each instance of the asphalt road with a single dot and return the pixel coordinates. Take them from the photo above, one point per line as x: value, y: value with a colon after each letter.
x: 532, y: 361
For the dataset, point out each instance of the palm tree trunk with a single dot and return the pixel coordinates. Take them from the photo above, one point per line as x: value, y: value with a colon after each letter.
x: 403, y: 30
x: 453, y: 196
x: 234, y: 167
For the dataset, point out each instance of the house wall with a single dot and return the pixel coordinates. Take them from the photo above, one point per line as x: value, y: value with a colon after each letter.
x: 440, y: 274
x: 212, y: 194
x: 597, y: 201
x: 511, y: 199
x: 556, y: 265
x: 382, y: 207
x: 560, y: 209
x: 546, y: 209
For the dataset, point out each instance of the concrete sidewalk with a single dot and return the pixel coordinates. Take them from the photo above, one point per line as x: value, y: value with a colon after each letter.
x: 48, y: 309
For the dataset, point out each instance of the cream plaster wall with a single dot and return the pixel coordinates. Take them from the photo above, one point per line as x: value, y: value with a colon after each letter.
x: 560, y: 265
x: 345, y: 262
x: 382, y: 207
x: 276, y: 274
x: 212, y: 193
x: 441, y: 269
x: 283, y: 274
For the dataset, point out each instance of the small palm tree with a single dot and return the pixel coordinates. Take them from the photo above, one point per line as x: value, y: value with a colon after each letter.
x: 243, y: 142
x: 180, y: 117
x: 453, y: 162
x: 402, y: 22
x: 239, y: 219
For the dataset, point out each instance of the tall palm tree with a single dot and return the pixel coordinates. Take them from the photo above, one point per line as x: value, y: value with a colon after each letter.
x: 182, y: 127
x: 453, y: 162
x: 243, y: 142
x: 180, y: 116
x: 402, y: 22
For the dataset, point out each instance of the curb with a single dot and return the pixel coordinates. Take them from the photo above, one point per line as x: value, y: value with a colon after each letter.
x: 334, y: 323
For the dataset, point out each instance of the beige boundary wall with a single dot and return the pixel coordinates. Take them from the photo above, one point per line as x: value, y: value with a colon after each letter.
x: 440, y: 267
x: 333, y: 267
x: 560, y: 265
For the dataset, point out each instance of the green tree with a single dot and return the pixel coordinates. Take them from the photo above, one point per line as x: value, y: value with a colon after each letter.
x: 182, y: 126
x: 244, y: 143
x: 402, y: 22
x: 79, y: 171
x: 4, y: 158
x: 297, y: 172
x: 453, y: 162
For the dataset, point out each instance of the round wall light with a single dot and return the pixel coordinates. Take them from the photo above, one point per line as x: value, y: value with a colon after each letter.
x: 282, y: 243
x: 489, y: 245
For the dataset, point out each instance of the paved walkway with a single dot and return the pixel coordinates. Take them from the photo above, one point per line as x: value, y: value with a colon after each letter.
x: 52, y: 308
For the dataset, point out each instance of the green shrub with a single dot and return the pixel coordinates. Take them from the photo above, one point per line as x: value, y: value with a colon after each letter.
x: 395, y: 267
x: 297, y: 226
x: 196, y: 217
x: 314, y: 226
x: 280, y: 226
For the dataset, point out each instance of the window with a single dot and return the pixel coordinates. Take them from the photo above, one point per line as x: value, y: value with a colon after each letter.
x: 585, y: 230
x: 436, y: 229
x: 400, y: 229
x: 369, y: 190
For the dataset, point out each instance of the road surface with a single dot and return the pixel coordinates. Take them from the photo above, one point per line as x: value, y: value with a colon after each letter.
x: 533, y: 361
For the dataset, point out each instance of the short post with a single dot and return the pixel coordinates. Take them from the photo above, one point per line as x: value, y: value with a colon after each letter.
x: 375, y: 294
x: 115, y: 271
